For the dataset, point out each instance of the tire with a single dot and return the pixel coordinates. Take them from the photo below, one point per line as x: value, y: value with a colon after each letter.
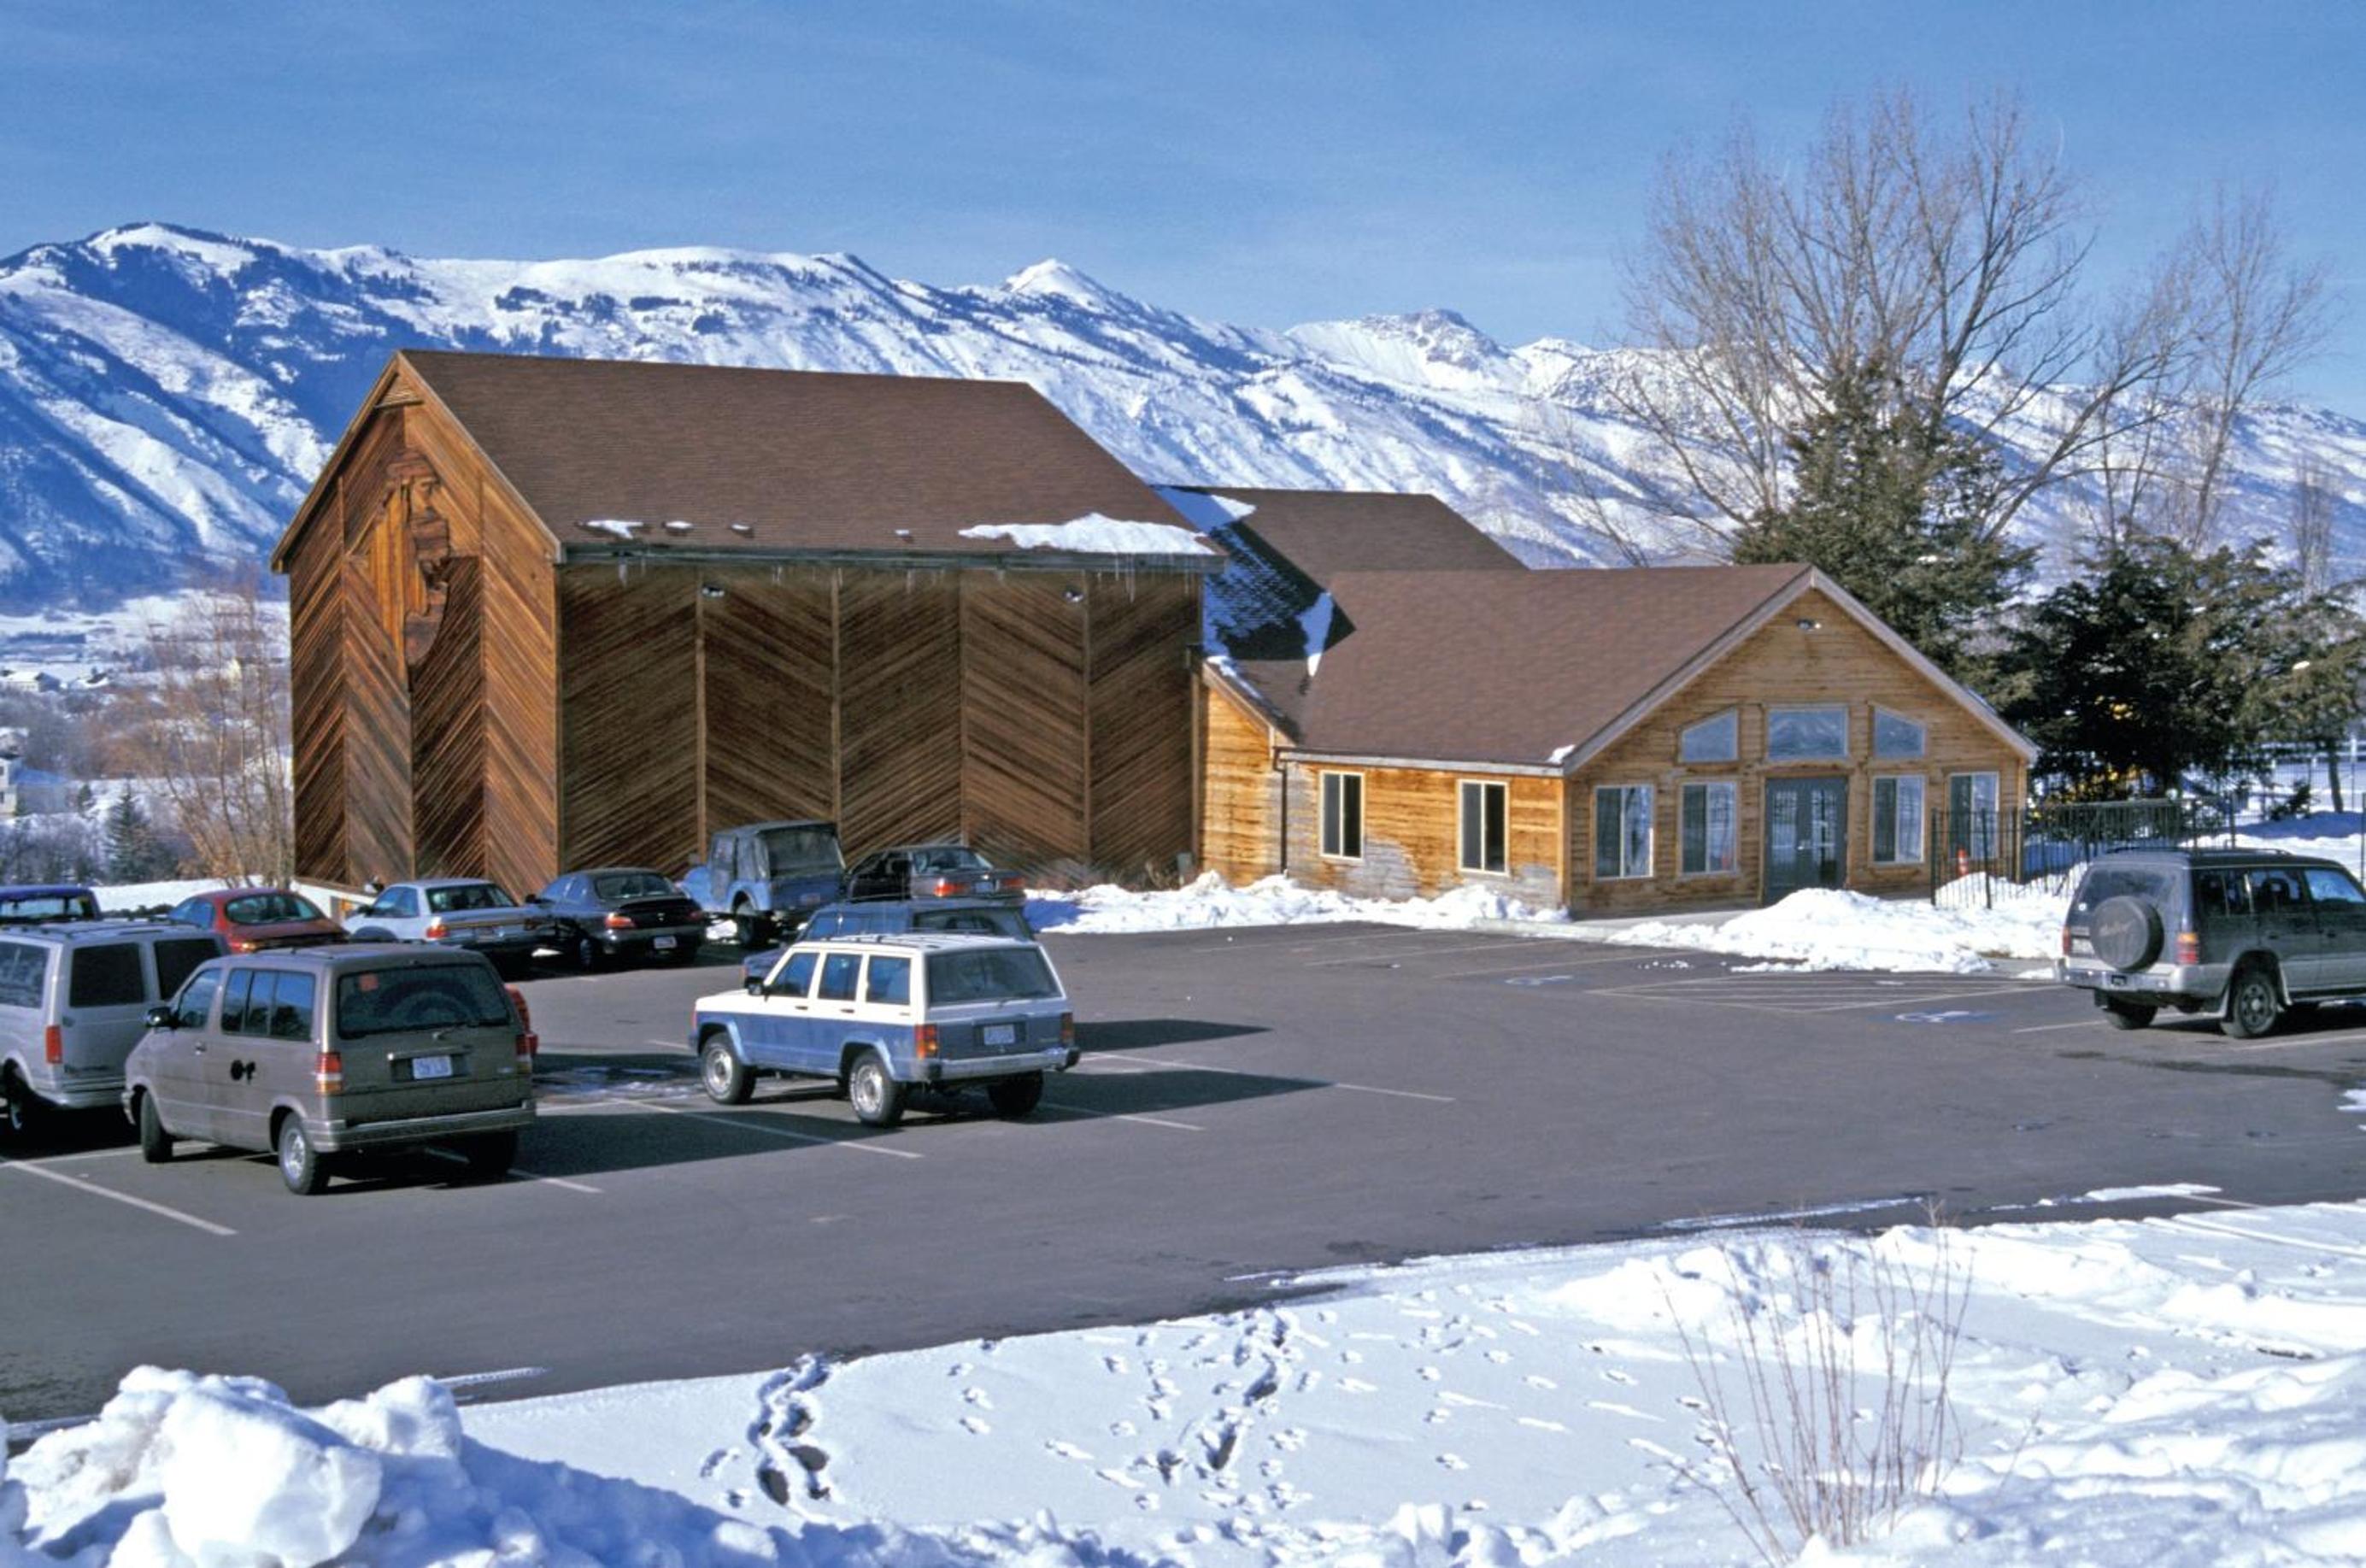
x: 2127, y: 1015
x: 155, y: 1144
x: 490, y: 1157
x: 878, y: 1098
x: 728, y: 1079
x: 2126, y: 933
x: 749, y: 923
x: 1016, y: 1096
x: 2252, y: 1006
x: 588, y: 954
x: 301, y: 1166
x: 20, y: 1110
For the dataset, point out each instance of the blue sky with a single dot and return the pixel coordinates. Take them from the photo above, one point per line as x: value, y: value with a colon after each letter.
x: 1265, y: 163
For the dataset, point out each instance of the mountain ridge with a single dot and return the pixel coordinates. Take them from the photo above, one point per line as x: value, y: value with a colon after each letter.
x: 168, y: 393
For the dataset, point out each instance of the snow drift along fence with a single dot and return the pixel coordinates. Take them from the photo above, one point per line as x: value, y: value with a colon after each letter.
x: 1972, y: 851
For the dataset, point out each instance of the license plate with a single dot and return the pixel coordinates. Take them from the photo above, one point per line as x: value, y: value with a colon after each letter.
x: 2115, y: 979
x: 663, y: 944
x: 430, y: 1068
x: 1001, y: 1035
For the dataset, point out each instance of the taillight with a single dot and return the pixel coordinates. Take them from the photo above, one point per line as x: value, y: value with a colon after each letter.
x: 53, y: 1045
x: 243, y: 945
x: 517, y: 1000
x: 1068, y: 1030
x: 924, y: 1040
x: 328, y: 1072
x: 2189, y: 948
x: 615, y: 922
x: 529, y: 1045
x: 2066, y: 942
x: 947, y: 887
x: 437, y: 931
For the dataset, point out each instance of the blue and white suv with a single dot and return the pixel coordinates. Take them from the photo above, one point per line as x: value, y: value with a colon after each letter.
x: 884, y: 1015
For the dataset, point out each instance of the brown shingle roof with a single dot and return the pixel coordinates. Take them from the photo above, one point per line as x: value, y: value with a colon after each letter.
x: 805, y: 460
x: 1324, y: 533
x: 1483, y: 666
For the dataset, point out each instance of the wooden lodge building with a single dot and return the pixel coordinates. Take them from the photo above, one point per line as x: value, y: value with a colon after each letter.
x: 548, y: 614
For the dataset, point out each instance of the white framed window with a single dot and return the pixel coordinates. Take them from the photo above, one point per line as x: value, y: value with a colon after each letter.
x: 1622, y: 831
x: 1717, y: 739
x: 1897, y: 820
x: 1804, y: 734
x: 1707, y: 820
x: 1896, y: 736
x: 1343, y: 816
x: 1485, y: 813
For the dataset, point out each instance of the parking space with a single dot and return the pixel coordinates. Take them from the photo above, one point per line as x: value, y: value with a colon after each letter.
x: 1248, y: 1102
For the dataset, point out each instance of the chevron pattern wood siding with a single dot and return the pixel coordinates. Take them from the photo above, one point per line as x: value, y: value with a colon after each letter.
x: 1023, y: 730
x: 770, y: 673
x: 521, y: 715
x: 447, y: 737
x: 628, y: 717
x: 376, y: 741
x: 1140, y: 720
x: 900, y: 708
x: 316, y: 679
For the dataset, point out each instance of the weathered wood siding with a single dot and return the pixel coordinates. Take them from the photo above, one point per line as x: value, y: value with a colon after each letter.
x: 1240, y: 789
x: 316, y: 680
x: 900, y: 708
x: 1412, y: 835
x: 770, y: 669
x: 628, y: 759
x: 1139, y: 726
x: 1024, y: 774
x: 1781, y: 666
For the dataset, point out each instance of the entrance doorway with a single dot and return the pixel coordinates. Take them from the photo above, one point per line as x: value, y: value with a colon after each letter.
x: 1806, y: 835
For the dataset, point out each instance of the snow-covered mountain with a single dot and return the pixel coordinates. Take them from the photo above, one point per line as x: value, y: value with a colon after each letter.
x: 166, y: 395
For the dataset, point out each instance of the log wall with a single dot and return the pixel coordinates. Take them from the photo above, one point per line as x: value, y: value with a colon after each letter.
x: 1240, y: 789
x: 1412, y: 835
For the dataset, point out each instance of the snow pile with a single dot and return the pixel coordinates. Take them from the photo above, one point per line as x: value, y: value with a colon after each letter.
x: 1270, y: 901
x: 1097, y: 536
x: 1820, y: 927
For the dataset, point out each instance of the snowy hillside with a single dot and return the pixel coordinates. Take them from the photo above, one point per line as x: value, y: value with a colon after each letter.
x: 167, y: 395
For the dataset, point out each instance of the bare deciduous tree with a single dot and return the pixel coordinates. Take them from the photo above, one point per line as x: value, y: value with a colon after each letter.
x: 2311, y: 527
x: 212, y: 733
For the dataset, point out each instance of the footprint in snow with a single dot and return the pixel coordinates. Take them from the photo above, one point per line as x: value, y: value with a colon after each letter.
x: 1431, y: 1374
x: 1453, y: 1461
x: 1290, y: 1439
x: 1066, y: 1450
x: 1353, y: 1358
x: 1326, y: 1314
x: 1541, y: 1425
x: 1535, y: 1382
x: 1145, y: 1502
x: 714, y: 1462
x: 1116, y: 1364
x: 1438, y: 1416
x: 1612, y: 1374
x: 958, y: 1370
x: 1499, y: 1356
x: 1115, y: 1477
x: 1356, y: 1385
x: 978, y: 1397
x: 975, y: 1427
x: 1308, y: 1380
x: 1122, y: 1429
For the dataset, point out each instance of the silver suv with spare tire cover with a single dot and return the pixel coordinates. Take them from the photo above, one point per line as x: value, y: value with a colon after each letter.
x: 2245, y: 934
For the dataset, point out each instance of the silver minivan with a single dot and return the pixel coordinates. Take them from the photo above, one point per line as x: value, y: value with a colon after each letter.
x: 73, y: 1001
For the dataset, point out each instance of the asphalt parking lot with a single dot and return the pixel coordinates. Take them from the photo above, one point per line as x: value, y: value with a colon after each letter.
x: 1251, y: 1103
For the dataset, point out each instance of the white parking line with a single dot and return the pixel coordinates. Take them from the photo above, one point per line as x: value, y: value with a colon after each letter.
x: 1564, y: 961
x: 856, y: 1144
x: 84, y: 1184
x: 2077, y: 1023
x: 2296, y: 1043
x: 1120, y: 1116
x: 85, y: 1153
x: 515, y: 1170
x: 1397, y: 1093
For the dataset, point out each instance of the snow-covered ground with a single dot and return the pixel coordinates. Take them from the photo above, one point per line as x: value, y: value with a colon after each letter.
x: 2181, y: 1390
x: 1271, y: 901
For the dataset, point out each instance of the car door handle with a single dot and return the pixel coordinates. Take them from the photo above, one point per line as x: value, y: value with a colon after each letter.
x: 197, y: 1050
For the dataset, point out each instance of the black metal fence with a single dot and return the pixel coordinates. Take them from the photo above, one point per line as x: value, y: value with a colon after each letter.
x: 1973, y: 853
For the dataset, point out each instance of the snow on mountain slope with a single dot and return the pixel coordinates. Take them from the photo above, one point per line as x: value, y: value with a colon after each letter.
x: 167, y: 395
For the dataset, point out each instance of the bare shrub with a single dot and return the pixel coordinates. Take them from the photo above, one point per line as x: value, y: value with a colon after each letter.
x: 1829, y: 1409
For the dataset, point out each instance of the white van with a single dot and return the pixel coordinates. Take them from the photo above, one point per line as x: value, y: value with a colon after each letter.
x: 75, y: 1000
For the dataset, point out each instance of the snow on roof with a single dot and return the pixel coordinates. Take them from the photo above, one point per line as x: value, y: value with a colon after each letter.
x: 1098, y: 535
x: 622, y: 527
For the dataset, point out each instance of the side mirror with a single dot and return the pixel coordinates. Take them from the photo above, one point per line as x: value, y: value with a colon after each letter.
x: 755, y: 986
x: 163, y: 1017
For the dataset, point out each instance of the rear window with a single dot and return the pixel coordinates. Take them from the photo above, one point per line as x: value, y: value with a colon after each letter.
x: 987, y: 922
x: 107, y: 976
x: 23, y: 968
x: 177, y: 959
x: 68, y: 905
x: 468, y: 896
x: 949, y: 859
x: 789, y: 851
x: 2151, y: 884
x: 2221, y: 896
x: 270, y: 909
x: 631, y: 884
x: 992, y: 973
x: 389, y: 1001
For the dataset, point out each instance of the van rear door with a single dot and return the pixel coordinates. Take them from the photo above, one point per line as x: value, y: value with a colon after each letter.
x: 424, y: 1040
x: 105, y: 1008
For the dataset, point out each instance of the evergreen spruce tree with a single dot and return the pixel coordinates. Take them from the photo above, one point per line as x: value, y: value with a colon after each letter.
x: 1893, y: 507
x: 134, y: 850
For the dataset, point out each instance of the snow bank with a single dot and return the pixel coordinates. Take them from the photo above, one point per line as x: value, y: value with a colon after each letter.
x: 1271, y: 901
x: 1096, y: 535
x: 1828, y: 928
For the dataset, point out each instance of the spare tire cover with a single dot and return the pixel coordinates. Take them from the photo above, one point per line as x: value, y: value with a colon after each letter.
x: 2125, y: 932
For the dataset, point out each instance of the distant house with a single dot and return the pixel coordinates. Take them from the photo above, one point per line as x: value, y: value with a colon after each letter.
x: 1613, y: 740
x: 557, y: 613
x: 28, y: 791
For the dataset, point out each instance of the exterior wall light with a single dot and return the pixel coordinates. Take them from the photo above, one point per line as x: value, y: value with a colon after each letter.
x: 1810, y: 624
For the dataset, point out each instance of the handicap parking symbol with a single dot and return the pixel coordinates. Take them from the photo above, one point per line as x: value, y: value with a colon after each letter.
x: 1948, y: 1015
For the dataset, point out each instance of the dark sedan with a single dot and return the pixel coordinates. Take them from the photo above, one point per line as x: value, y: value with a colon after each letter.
x: 922, y: 872
x: 256, y: 920
x: 622, y: 912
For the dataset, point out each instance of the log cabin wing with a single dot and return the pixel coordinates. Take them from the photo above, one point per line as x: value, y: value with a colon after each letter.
x: 551, y: 613
x: 1614, y: 741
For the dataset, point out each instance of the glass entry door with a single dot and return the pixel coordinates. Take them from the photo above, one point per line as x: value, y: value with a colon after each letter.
x: 1806, y: 835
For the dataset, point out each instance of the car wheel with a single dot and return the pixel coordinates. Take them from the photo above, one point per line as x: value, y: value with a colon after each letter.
x: 2127, y: 1015
x: 587, y: 954
x: 1016, y: 1096
x: 490, y: 1157
x: 2252, y: 1008
x: 878, y: 1098
x: 728, y: 1079
x: 749, y: 925
x: 19, y: 1109
x: 301, y: 1165
x: 155, y: 1144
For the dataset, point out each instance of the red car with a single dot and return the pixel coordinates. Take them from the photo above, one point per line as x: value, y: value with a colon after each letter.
x: 252, y: 919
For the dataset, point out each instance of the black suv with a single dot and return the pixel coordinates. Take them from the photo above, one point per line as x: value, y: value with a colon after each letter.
x: 2246, y: 934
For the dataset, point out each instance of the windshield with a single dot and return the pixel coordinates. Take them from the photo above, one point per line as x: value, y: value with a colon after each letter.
x: 989, y: 974
x: 789, y: 851
x: 70, y: 906
x: 631, y: 884
x: 391, y: 1001
x: 268, y: 908
x: 955, y: 858
x: 467, y: 895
